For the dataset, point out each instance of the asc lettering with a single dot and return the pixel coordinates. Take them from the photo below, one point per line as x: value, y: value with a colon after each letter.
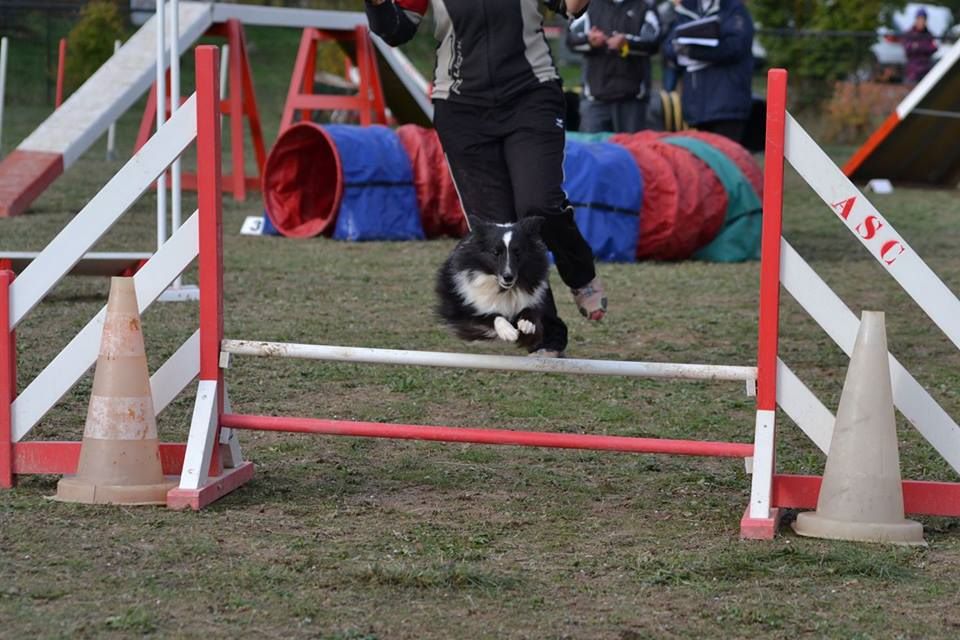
x: 868, y: 228
x: 891, y: 250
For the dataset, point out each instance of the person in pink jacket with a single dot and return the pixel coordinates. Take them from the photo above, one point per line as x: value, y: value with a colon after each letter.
x: 920, y: 47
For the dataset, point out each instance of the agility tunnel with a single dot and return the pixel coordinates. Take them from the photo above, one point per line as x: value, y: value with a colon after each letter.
x: 643, y: 196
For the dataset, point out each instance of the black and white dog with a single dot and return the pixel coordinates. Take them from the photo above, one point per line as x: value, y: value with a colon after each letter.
x: 494, y: 283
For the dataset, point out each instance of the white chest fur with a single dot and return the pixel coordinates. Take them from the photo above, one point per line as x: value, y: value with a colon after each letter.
x: 481, y: 291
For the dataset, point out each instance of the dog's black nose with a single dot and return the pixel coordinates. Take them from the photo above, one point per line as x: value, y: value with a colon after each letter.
x: 508, y: 280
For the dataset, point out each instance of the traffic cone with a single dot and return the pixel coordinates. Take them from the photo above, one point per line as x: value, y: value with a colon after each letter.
x: 120, y: 456
x: 861, y: 497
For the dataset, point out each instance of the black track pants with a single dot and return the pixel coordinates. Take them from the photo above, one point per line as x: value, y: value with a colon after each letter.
x: 507, y: 162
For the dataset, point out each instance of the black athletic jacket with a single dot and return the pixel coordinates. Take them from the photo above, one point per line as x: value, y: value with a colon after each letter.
x: 488, y: 50
x: 617, y: 75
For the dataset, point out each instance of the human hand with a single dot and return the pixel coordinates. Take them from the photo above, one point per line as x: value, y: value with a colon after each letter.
x: 596, y: 38
x: 615, y: 42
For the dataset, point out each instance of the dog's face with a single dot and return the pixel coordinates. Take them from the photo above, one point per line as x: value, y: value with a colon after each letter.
x: 513, y: 252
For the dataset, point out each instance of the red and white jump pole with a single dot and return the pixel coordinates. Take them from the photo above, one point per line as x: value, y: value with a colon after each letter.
x: 161, y: 84
x: 760, y: 521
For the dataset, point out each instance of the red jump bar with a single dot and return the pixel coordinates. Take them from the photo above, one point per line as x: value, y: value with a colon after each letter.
x: 487, y: 436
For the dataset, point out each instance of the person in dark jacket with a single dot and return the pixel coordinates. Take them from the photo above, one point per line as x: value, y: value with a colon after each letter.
x: 717, y: 94
x: 616, y: 38
x: 499, y: 111
x: 920, y: 47
x: 670, y: 71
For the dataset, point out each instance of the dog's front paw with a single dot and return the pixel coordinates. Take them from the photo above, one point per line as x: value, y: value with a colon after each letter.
x: 527, y: 327
x: 505, y: 330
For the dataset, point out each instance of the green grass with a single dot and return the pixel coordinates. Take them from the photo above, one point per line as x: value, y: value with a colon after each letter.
x: 373, y: 539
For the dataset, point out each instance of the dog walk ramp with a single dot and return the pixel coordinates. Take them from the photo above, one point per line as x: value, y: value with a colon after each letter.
x: 917, y: 144
x: 87, y: 114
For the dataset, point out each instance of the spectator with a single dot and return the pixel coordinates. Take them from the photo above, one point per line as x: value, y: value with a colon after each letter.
x: 920, y: 47
x: 671, y: 71
x: 717, y: 94
x: 617, y: 38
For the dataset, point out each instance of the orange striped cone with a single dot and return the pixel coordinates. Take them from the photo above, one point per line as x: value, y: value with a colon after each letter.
x: 120, y: 455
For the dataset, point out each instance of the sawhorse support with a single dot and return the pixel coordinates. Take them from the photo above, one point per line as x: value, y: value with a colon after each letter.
x: 239, y: 103
x: 368, y: 102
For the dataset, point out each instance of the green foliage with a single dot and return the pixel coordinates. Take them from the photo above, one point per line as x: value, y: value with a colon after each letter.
x: 90, y: 42
x: 821, y: 60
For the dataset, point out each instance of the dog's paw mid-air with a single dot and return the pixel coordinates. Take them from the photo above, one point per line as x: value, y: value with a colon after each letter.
x: 526, y: 327
x: 505, y: 330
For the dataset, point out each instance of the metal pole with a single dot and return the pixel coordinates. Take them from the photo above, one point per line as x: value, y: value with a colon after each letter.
x: 482, y: 361
x: 3, y: 84
x: 175, y: 191
x: 224, y: 76
x: 177, y: 292
x: 112, y: 131
x: 161, y: 117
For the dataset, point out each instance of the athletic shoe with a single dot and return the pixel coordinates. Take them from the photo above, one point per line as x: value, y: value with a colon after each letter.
x: 591, y: 300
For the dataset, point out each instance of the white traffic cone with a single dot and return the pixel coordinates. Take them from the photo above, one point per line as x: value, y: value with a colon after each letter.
x: 861, y: 497
x: 120, y: 455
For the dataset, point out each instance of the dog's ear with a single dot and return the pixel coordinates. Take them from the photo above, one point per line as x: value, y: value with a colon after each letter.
x: 480, y: 229
x: 531, y: 224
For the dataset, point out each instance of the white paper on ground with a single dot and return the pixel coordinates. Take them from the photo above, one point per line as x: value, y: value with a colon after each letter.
x: 880, y: 186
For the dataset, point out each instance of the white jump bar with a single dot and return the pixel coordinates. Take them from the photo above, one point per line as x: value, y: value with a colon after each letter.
x: 480, y: 361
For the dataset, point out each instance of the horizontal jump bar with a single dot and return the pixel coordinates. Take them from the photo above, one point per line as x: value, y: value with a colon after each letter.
x: 482, y: 361
x: 488, y: 436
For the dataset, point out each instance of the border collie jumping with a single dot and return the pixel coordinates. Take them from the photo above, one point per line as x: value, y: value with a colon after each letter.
x: 494, y: 282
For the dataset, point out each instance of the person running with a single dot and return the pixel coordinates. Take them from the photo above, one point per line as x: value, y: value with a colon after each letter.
x: 499, y: 111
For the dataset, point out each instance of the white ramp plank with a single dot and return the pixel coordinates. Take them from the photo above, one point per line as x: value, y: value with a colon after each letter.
x: 288, y: 17
x: 91, y: 109
x: 81, y: 353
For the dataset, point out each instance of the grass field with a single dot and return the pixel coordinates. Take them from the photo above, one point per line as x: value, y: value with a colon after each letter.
x: 369, y: 539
